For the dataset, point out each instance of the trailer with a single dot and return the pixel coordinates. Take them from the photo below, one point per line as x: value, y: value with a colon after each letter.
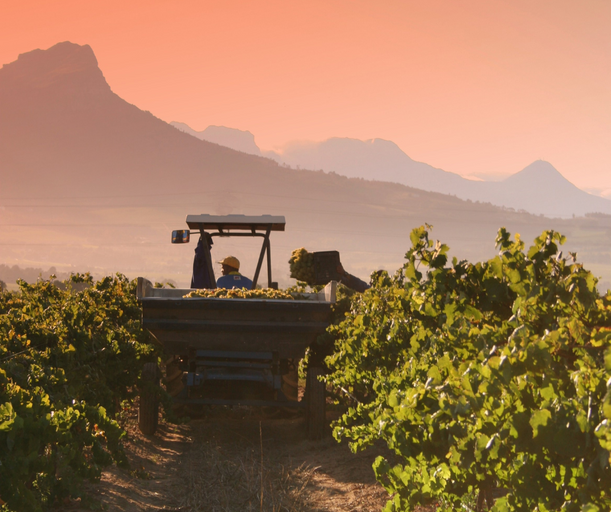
x: 221, y: 351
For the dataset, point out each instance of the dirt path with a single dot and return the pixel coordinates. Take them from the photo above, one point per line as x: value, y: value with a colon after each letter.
x: 238, y: 460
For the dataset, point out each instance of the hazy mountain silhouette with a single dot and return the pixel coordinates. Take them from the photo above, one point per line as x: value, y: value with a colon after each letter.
x: 88, y: 181
x: 374, y: 159
x: 240, y: 140
x: 539, y: 188
x: 65, y: 130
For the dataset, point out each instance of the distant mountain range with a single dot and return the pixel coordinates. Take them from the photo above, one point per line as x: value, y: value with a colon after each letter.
x: 240, y: 140
x: 91, y: 182
x: 538, y: 188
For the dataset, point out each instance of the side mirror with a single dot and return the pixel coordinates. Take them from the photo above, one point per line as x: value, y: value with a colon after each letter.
x: 181, y: 236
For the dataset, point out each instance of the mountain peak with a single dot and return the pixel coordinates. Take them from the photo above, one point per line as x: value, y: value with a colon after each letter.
x: 539, y: 170
x: 63, y: 65
x: 240, y: 140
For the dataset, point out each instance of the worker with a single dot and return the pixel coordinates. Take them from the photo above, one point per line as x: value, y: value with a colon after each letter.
x: 201, y: 276
x: 351, y: 281
x: 231, y: 277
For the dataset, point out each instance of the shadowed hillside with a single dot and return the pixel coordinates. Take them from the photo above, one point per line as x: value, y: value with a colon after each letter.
x: 92, y: 182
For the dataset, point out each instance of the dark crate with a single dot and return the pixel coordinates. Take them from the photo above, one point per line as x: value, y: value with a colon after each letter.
x: 325, y: 266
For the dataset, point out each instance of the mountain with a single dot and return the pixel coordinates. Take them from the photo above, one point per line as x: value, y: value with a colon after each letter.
x: 240, y: 140
x: 91, y: 182
x: 374, y: 159
x: 539, y: 188
x: 66, y: 132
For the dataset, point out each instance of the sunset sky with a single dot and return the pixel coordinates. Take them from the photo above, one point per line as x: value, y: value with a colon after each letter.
x: 471, y: 86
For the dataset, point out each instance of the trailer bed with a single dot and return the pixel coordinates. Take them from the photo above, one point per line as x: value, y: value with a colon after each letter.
x: 286, y: 327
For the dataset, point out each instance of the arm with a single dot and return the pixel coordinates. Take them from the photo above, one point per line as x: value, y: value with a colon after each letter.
x: 351, y: 281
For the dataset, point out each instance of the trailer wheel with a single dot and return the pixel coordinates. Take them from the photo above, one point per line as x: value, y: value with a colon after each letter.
x: 148, y: 411
x: 315, y: 403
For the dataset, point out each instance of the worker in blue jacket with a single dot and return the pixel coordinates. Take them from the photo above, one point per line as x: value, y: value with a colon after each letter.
x: 231, y: 277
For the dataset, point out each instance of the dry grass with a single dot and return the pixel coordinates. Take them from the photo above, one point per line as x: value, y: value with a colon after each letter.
x: 221, y: 482
x: 242, y: 475
x: 237, y: 460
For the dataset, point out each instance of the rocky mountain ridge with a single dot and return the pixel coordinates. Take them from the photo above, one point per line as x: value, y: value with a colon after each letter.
x: 538, y: 188
x: 240, y: 140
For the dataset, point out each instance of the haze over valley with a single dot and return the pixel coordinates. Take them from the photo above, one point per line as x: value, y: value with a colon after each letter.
x: 92, y: 182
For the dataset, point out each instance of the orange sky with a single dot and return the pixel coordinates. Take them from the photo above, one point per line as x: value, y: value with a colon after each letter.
x: 470, y: 86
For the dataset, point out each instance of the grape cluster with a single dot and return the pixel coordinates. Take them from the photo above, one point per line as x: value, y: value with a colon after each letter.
x: 240, y: 293
x: 302, y: 266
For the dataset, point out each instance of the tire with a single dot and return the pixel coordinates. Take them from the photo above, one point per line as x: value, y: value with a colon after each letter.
x: 148, y: 411
x: 315, y: 403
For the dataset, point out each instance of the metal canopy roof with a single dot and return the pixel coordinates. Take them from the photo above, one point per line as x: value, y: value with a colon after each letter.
x: 248, y: 222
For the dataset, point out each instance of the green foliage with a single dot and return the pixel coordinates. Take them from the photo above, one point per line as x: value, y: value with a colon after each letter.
x: 325, y: 342
x: 482, y: 376
x: 67, y: 360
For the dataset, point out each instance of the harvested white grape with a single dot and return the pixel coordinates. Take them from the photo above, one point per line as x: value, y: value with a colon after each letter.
x: 302, y: 266
x: 240, y: 293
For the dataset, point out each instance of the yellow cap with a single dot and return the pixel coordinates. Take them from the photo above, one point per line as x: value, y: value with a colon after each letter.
x: 231, y: 261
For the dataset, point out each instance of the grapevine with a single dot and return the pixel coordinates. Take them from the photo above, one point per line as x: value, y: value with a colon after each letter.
x: 489, y: 379
x: 68, y: 360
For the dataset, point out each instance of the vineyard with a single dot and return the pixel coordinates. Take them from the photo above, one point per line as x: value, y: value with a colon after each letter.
x: 69, y: 361
x: 489, y: 382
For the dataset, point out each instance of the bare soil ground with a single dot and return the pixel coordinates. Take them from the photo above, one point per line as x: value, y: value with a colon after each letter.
x: 237, y: 459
